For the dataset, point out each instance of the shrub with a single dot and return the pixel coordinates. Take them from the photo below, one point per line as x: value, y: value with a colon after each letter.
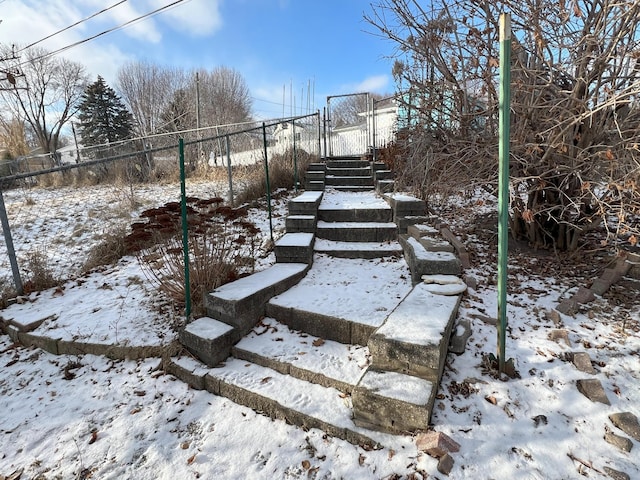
x: 40, y: 275
x: 109, y: 250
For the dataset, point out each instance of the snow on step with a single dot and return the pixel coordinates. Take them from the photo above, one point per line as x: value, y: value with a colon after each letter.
x: 415, y: 337
x: 352, y: 225
x: 300, y: 402
x: 333, y: 200
x: 304, y: 356
x: 208, y: 339
x: 393, y: 402
x: 358, y: 249
x: 363, y: 290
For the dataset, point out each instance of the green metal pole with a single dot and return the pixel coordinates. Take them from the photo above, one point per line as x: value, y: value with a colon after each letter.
x: 185, y: 232
x: 229, y: 170
x: 295, y: 159
x: 266, y: 171
x: 503, y: 181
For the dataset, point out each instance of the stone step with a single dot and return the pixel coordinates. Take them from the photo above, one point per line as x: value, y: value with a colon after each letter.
x: 306, y: 203
x: 338, y: 329
x: 393, y: 402
x: 314, y: 185
x: 208, y: 339
x: 284, y: 397
x: 405, y: 205
x: 424, y: 262
x: 343, y: 300
x: 350, y: 172
x: 300, y: 223
x: 295, y: 248
x: 315, y: 175
x: 347, y: 163
x: 383, y: 175
x: 357, y: 231
x: 242, y: 303
x: 354, y: 188
x: 333, y: 181
x: 328, y: 214
x: 415, y: 337
x: 324, y: 362
x: 316, y: 167
x: 358, y: 249
x: 385, y: 186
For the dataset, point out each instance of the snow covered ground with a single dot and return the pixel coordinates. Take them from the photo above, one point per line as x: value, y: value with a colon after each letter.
x: 90, y: 417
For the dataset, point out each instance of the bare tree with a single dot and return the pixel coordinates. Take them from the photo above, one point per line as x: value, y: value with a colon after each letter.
x: 224, y: 96
x: 148, y: 89
x: 575, y: 160
x: 46, y: 95
x: 348, y: 110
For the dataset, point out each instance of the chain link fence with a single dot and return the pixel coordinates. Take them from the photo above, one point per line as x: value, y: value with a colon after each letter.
x: 65, y: 210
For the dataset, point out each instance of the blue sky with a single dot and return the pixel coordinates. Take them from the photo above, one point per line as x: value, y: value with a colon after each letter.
x: 325, y: 44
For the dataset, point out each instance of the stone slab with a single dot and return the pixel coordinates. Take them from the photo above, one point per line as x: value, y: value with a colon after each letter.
x: 392, y: 402
x: 618, y: 441
x: 422, y: 262
x: 593, y: 390
x: 628, y: 423
x: 616, y: 474
x: 582, y: 362
x: 436, y: 245
x: 300, y: 223
x: 415, y: 337
x: 242, y: 303
x: 208, y: 339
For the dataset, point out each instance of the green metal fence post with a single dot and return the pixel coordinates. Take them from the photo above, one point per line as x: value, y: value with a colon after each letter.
x: 266, y: 171
x: 503, y: 182
x: 229, y: 171
x: 185, y: 231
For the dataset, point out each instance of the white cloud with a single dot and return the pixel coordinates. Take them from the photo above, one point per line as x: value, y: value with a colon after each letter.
x: 194, y: 17
x: 374, y: 84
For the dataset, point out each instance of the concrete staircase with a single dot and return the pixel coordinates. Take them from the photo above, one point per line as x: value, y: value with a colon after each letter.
x: 361, y: 379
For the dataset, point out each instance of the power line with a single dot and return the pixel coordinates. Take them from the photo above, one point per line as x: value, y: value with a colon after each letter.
x: 110, y: 30
x: 74, y: 25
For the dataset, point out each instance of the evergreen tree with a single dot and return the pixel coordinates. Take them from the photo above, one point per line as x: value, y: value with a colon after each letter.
x: 104, y: 119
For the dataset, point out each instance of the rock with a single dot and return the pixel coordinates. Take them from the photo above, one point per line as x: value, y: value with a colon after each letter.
x: 593, y: 390
x: 460, y: 336
x: 582, y: 362
x: 628, y: 423
x: 553, y: 316
x: 584, y: 295
x: 449, y: 289
x: 472, y: 282
x: 560, y: 335
x: 445, y: 464
x: 600, y: 286
x: 616, y: 474
x: 568, y: 306
x: 623, y: 443
x: 436, y: 444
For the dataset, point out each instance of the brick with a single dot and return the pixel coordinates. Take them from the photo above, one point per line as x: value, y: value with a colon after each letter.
x: 436, y: 444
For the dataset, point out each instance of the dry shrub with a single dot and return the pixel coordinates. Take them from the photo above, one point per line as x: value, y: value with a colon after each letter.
x: 212, y: 262
x: 281, y: 175
x: 109, y: 250
x: 40, y: 275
